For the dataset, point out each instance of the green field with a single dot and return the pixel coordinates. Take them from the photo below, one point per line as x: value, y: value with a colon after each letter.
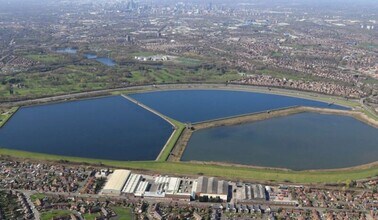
x: 36, y: 196
x: 46, y: 58
x: 56, y: 74
x: 225, y: 171
x: 123, y: 213
x: 54, y: 214
x: 93, y: 216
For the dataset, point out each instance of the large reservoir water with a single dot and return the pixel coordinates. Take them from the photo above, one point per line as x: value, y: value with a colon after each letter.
x: 202, y: 105
x: 117, y: 129
x: 299, y: 142
x: 105, y: 128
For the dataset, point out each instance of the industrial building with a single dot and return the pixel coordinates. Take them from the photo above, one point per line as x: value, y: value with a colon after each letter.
x: 171, y: 188
x: 142, y: 187
x: 116, y: 182
x: 180, y: 189
x: 132, y: 183
x: 258, y: 191
x: 253, y: 192
x: 212, y: 188
x: 123, y: 182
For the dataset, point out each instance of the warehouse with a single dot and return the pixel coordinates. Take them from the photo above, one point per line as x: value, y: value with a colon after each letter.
x: 253, y: 192
x: 173, y: 185
x: 142, y: 187
x: 258, y: 192
x: 116, y: 182
x: 132, y: 183
x: 179, y: 189
x: 212, y: 188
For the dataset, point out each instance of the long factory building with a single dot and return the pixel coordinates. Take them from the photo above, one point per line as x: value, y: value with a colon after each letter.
x: 123, y: 182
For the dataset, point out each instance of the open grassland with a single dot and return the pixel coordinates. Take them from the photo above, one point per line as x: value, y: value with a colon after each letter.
x: 54, y: 214
x: 94, y: 216
x: 56, y: 74
x: 36, y: 196
x: 46, y: 58
x: 122, y: 213
x: 231, y: 172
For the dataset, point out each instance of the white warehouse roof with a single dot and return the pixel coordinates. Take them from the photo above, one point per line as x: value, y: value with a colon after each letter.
x: 116, y: 182
x: 132, y: 183
x: 173, y: 185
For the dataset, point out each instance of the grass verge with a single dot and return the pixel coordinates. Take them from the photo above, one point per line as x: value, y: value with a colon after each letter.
x: 224, y: 171
x: 173, y: 140
x: 4, y: 118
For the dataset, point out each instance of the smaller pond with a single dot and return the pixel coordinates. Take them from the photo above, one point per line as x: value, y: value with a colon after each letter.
x: 299, y: 142
x: 104, y: 60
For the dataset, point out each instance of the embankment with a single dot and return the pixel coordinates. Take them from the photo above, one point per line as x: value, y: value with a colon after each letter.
x: 8, y: 116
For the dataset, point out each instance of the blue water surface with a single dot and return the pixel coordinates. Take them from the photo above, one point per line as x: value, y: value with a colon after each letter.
x: 201, y: 105
x: 299, y: 142
x: 105, y: 128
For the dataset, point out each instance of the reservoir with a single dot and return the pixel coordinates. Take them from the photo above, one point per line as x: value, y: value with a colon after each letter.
x: 299, y: 142
x: 104, y: 128
x: 201, y: 105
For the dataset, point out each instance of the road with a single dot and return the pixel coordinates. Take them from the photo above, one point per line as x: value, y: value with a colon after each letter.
x: 195, y: 204
x: 31, y: 204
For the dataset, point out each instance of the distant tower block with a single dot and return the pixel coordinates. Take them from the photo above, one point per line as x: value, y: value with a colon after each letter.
x: 128, y: 38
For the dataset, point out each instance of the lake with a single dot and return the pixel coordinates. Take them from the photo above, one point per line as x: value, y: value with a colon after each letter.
x: 104, y: 60
x: 105, y: 128
x: 202, y: 105
x: 299, y: 142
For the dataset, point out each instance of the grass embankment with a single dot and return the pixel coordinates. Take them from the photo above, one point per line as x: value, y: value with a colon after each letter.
x: 224, y: 171
x: 4, y: 117
x: 179, y: 128
x: 370, y: 114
